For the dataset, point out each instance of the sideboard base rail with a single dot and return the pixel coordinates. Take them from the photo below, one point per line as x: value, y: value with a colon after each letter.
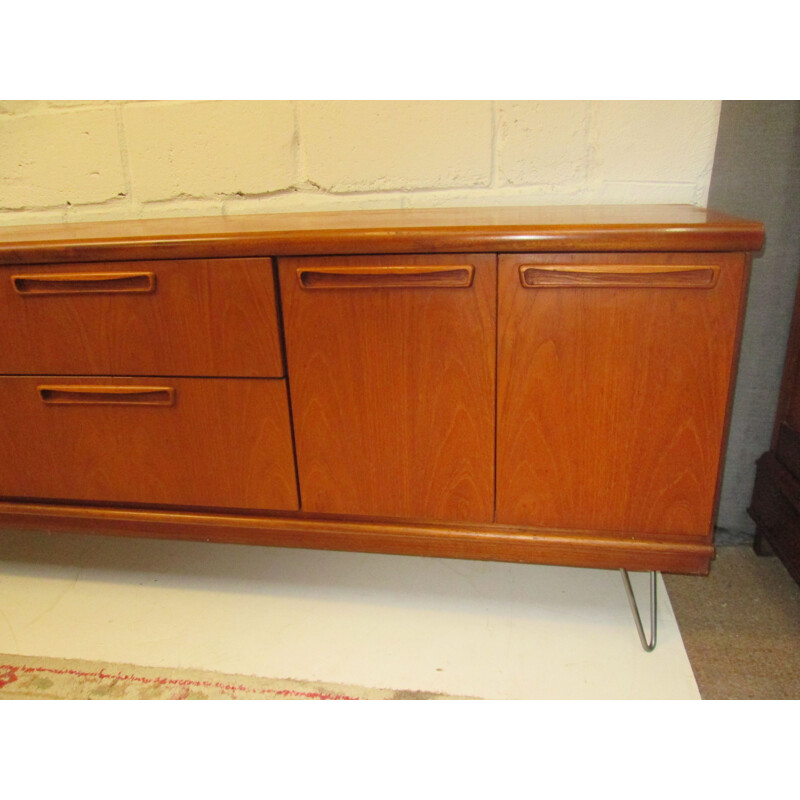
x: 682, y: 555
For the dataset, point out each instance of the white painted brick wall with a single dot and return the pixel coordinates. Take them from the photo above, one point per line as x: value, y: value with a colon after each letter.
x: 79, y: 160
x: 543, y: 143
x: 60, y: 158
x: 363, y: 146
x: 658, y: 149
x: 200, y: 150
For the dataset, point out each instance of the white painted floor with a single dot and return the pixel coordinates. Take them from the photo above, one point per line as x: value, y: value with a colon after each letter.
x: 495, y: 631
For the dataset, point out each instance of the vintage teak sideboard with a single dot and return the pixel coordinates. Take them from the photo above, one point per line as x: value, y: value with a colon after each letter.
x: 542, y: 385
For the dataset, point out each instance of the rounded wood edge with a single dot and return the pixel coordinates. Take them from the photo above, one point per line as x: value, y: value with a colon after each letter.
x: 413, y: 231
x: 558, y: 548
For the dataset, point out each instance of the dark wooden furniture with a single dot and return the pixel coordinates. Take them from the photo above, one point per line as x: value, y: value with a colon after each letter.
x: 775, y: 505
x: 525, y: 384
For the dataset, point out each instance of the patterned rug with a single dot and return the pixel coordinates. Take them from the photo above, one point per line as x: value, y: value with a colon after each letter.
x: 38, y: 678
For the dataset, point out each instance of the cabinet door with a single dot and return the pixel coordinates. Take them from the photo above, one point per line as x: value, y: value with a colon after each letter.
x: 392, y: 371
x: 614, y: 373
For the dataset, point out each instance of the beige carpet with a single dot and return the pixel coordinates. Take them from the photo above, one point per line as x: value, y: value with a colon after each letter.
x: 35, y: 678
x: 741, y: 627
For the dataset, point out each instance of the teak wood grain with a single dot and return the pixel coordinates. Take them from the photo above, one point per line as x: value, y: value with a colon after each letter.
x: 612, y: 400
x: 203, y: 317
x: 443, y: 230
x: 609, y: 385
x: 200, y: 442
x: 393, y: 388
x: 494, y: 543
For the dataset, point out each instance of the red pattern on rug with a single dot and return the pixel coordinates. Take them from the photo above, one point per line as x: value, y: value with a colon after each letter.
x: 10, y: 673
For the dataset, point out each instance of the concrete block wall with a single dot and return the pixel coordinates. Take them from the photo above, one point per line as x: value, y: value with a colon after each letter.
x: 83, y: 160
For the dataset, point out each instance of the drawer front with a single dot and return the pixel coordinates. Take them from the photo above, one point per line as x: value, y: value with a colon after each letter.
x: 391, y: 363
x: 187, y: 442
x: 614, y: 378
x: 206, y: 318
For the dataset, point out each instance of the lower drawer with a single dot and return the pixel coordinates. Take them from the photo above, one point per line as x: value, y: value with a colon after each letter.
x: 156, y: 441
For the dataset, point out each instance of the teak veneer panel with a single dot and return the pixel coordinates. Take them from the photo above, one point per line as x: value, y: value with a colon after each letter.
x: 199, y: 317
x: 196, y: 442
x: 393, y: 385
x: 612, y: 399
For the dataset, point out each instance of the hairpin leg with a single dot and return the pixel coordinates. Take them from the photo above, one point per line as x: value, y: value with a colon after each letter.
x: 648, y: 646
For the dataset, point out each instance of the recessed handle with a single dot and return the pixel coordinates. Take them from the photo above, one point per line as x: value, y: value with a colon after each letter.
x: 108, y: 395
x: 85, y: 283
x: 400, y: 277
x: 618, y: 276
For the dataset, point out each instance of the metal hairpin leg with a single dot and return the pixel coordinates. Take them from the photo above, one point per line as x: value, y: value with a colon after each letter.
x: 648, y: 646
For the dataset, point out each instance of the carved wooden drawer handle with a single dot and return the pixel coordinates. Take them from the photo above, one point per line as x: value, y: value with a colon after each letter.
x: 534, y: 276
x: 85, y: 283
x: 451, y: 276
x: 108, y: 395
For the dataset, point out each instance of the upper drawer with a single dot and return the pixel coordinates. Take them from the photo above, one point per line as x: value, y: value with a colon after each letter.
x: 214, y: 317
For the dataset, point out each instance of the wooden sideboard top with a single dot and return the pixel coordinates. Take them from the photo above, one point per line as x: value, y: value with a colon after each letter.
x: 653, y: 228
